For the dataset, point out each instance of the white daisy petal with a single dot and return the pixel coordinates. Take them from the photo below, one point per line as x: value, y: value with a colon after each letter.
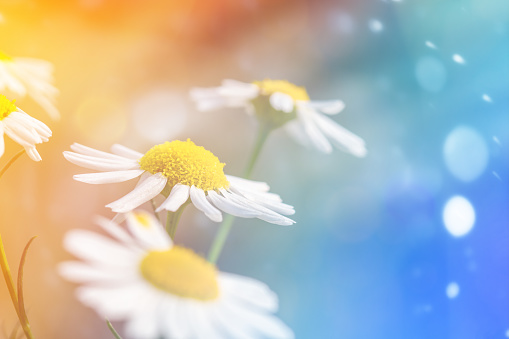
x: 231, y: 207
x: 33, y: 154
x: 200, y: 201
x: 114, y: 230
x: 282, y: 102
x: 330, y: 107
x: 108, y: 177
x: 316, y: 137
x: 94, y: 248
x: 342, y: 137
x: 99, y: 164
x: 249, y: 290
x: 81, y: 273
x: 147, y: 190
x: 248, y: 184
x: 178, y: 196
x: 148, y: 231
x: 85, y: 150
x: 126, y: 152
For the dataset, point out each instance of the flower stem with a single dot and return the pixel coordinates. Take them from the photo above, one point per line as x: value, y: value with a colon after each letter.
x: 154, y: 207
x: 13, y: 159
x: 112, y: 329
x: 172, y: 220
x: 224, y: 229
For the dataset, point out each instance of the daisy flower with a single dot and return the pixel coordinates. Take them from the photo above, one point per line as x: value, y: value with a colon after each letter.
x: 32, y: 77
x: 165, y: 291
x: 279, y: 102
x: 21, y: 128
x: 180, y: 170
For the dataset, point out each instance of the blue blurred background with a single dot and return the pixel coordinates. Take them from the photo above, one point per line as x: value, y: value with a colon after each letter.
x: 410, y: 242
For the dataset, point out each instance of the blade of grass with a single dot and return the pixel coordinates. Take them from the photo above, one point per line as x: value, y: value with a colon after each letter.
x: 8, y: 277
x: 112, y: 329
x: 21, y: 305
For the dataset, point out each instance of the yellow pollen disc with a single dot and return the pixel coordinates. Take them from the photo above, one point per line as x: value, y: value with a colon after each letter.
x: 269, y: 87
x: 182, y: 162
x: 6, y: 107
x: 4, y: 57
x: 181, y: 272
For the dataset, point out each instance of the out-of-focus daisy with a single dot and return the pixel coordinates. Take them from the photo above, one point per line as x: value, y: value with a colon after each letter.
x: 166, y: 291
x: 32, y: 77
x: 21, y: 128
x: 180, y: 170
x: 279, y: 102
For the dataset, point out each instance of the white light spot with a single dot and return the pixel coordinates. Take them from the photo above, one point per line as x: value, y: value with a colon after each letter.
x: 2, y: 19
x: 495, y: 174
x: 431, y: 74
x: 459, y: 59
x: 159, y: 115
x: 430, y: 45
x: 458, y: 216
x: 465, y: 153
x: 375, y: 25
x: 495, y: 139
x: 507, y: 333
x: 452, y: 290
x: 486, y: 98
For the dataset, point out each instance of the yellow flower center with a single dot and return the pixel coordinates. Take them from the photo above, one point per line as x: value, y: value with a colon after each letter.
x: 181, y: 272
x: 182, y: 162
x: 269, y: 87
x: 5, y: 57
x: 6, y: 107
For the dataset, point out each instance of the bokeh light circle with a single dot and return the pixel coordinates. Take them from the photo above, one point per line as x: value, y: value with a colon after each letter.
x: 465, y: 153
x: 452, y: 290
x: 458, y: 216
x: 431, y: 74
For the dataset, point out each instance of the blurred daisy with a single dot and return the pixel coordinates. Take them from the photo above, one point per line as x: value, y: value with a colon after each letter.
x: 166, y: 291
x: 278, y: 103
x: 21, y: 128
x: 32, y: 77
x: 180, y: 170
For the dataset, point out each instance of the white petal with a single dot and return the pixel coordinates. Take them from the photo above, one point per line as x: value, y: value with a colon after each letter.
x: 143, y: 324
x: 99, y: 164
x: 95, y: 248
x: 178, y: 196
x: 113, y: 229
x: 282, y: 102
x: 126, y: 152
x: 82, y: 273
x: 342, y: 137
x: 108, y: 177
x: 231, y: 207
x: 330, y: 107
x: 33, y: 154
x: 148, y: 231
x: 204, y: 327
x: 248, y: 184
x: 81, y: 149
x: 270, y: 200
x: 314, y: 134
x: 265, y: 324
x: 115, y: 302
x: 250, y: 291
x: 200, y: 201
x: 142, y: 193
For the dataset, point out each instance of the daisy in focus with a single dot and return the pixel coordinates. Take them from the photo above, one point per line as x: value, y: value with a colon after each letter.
x: 21, y: 128
x: 165, y: 291
x: 279, y: 103
x: 180, y: 170
x: 32, y: 77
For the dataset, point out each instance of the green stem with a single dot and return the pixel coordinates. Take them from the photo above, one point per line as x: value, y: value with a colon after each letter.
x: 112, y: 329
x: 154, y: 207
x: 13, y: 159
x: 172, y: 220
x: 226, y: 226
x: 263, y: 133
